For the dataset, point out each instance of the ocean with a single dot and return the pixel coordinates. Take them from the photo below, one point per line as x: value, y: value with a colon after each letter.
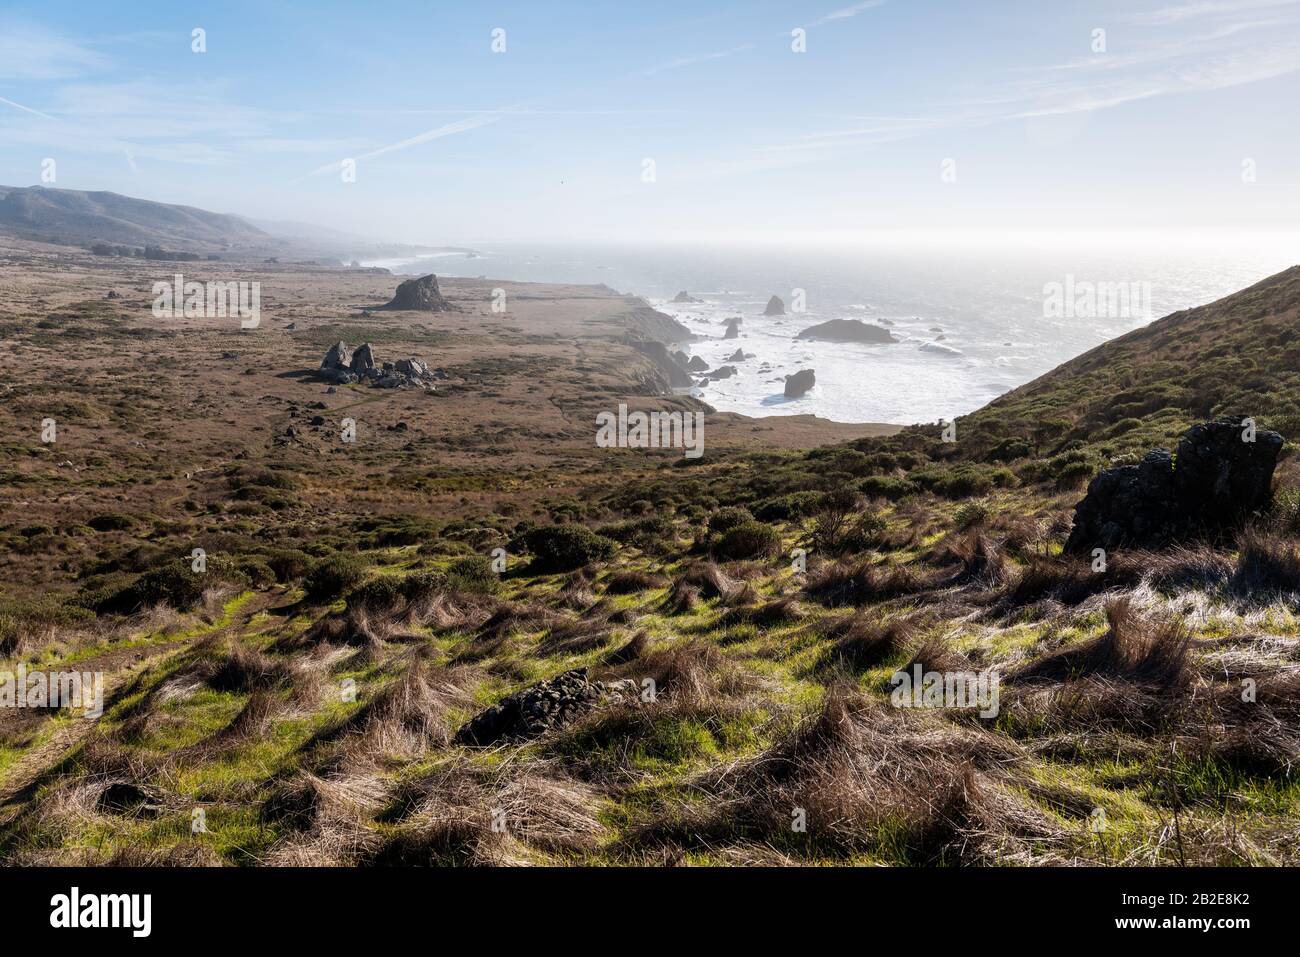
x: 973, y: 318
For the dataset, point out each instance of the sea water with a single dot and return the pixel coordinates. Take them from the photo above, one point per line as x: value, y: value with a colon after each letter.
x: 972, y: 319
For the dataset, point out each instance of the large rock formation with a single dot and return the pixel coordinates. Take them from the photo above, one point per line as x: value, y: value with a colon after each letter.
x: 1215, y: 482
x: 342, y: 366
x: 775, y: 307
x: 419, y: 294
x: 684, y: 296
x: 799, y: 383
x: 847, y: 330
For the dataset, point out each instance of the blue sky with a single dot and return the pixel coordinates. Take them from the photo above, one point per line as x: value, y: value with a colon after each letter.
x: 456, y: 143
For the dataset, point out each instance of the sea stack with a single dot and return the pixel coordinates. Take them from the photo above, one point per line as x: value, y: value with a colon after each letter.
x: 684, y: 296
x: 419, y: 294
x: 847, y: 330
x: 775, y: 307
x: 799, y: 383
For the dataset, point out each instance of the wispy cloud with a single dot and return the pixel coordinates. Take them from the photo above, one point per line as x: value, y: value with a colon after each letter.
x: 845, y: 13
x: 447, y: 129
x: 1203, y: 8
x: 1254, y: 45
x: 700, y: 58
x: 32, y: 53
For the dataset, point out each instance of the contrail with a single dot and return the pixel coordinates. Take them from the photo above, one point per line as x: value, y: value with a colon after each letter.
x: 26, y: 109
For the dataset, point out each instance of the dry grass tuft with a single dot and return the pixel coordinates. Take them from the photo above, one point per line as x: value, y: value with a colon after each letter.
x: 1132, y: 649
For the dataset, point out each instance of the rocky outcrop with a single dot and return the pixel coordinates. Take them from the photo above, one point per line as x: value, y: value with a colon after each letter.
x: 775, y: 307
x: 1217, y: 480
x: 733, y: 329
x: 545, y: 706
x: 644, y: 322
x: 723, y: 372
x: 697, y: 364
x: 739, y: 356
x: 684, y: 296
x: 799, y: 383
x: 341, y: 366
x: 665, y: 360
x: 847, y: 330
x: 420, y: 294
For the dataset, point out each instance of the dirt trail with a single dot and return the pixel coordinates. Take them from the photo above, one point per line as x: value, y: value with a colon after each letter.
x: 120, y: 667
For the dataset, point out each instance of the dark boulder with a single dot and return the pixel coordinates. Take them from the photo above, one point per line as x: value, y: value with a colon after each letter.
x: 697, y: 364
x: 1217, y: 480
x: 543, y: 707
x: 419, y: 294
x: 799, y: 383
x: 775, y: 307
x: 684, y: 296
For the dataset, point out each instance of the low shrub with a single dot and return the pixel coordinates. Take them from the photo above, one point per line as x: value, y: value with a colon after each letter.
x: 566, y: 547
x: 332, y: 577
x: 750, y: 539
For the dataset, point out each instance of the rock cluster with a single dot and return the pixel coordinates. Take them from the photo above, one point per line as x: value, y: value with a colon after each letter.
x: 722, y: 372
x: 543, y: 707
x: 342, y: 366
x: 1222, y: 473
x: 419, y: 294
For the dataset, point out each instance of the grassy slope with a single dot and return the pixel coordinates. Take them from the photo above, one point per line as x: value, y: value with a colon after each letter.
x: 773, y: 695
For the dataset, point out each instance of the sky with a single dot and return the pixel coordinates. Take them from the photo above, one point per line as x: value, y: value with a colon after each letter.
x: 542, y: 120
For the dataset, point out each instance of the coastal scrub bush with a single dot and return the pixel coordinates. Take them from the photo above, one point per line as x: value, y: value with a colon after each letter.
x: 332, y: 576
x: 725, y: 519
x: 750, y: 539
x: 961, y: 481
x: 566, y: 547
x: 473, y: 573
x: 972, y: 513
x: 111, y: 522
x: 288, y: 564
x: 1073, y: 475
x: 1008, y: 450
x: 842, y: 524
x: 784, y: 508
x: 645, y: 532
x: 176, y: 584
x: 887, y: 487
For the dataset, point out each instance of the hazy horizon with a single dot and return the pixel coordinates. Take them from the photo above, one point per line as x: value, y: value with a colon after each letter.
x: 672, y: 123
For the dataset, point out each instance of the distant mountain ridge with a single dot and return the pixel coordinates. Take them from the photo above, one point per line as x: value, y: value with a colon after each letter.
x: 79, y: 217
